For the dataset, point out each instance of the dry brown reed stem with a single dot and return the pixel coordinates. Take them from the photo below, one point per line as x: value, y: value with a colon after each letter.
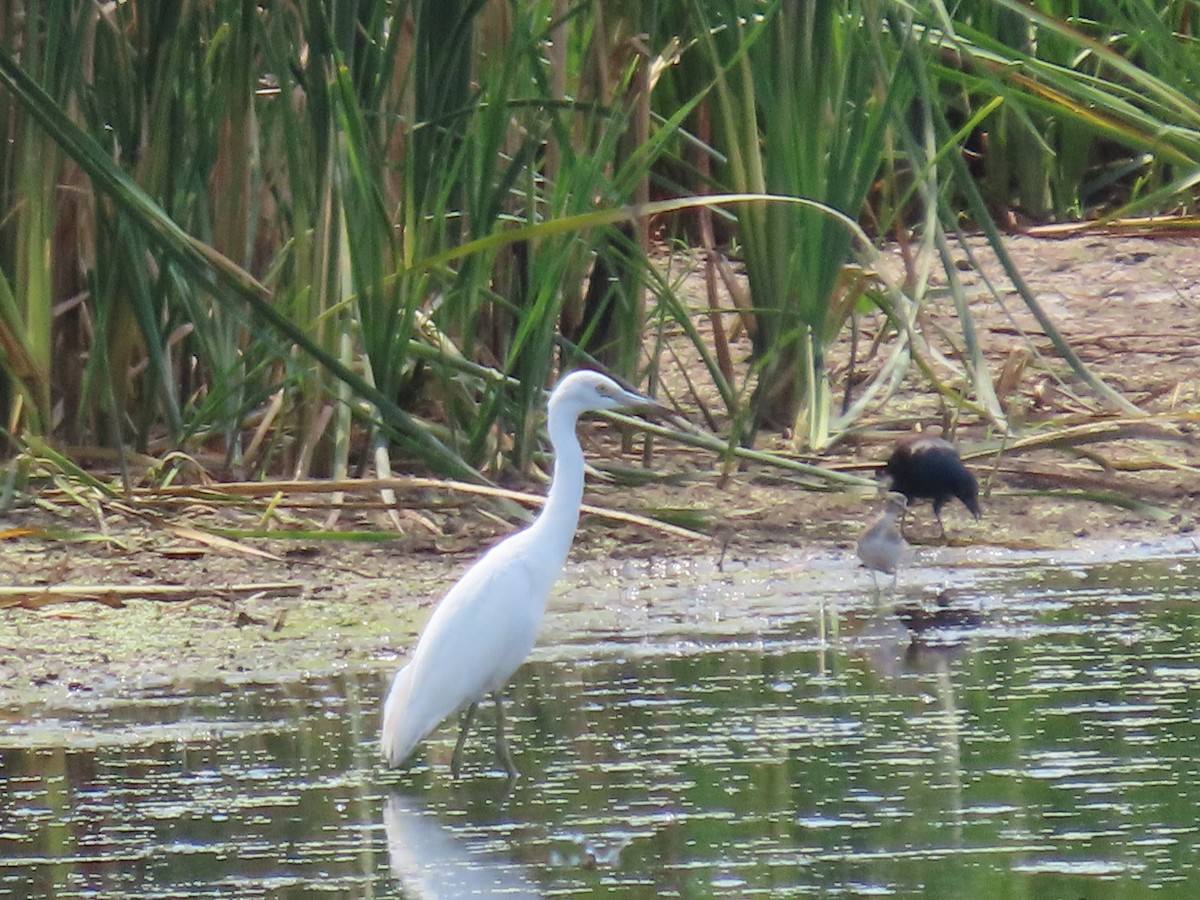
x: 399, y: 483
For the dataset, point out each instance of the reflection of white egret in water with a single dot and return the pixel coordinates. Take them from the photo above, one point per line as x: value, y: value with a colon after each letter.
x: 431, y: 861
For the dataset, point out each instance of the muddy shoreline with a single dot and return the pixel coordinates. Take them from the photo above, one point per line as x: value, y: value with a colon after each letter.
x: 172, y: 605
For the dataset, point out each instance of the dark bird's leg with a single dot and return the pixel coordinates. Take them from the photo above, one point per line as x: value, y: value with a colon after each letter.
x: 937, y: 512
x: 456, y: 757
x: 503, y: 755
x: 722, y: 535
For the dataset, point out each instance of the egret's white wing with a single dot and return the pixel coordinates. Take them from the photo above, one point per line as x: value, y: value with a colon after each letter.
x: 477, y: 637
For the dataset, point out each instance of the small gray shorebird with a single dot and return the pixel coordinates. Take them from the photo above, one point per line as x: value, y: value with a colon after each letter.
x: 881, y: 547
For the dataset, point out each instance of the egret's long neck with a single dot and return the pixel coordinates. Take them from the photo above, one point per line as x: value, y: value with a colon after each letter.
x: 558, y: 518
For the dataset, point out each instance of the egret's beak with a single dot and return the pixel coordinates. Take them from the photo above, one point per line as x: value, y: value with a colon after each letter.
x: 649, y: 408
x: 652, y: 409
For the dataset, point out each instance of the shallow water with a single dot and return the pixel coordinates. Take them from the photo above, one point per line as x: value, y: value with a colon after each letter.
x: 684, y: 732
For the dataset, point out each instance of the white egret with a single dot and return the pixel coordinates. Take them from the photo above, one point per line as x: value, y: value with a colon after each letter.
x: 881, y: 547
x: 483, y: 629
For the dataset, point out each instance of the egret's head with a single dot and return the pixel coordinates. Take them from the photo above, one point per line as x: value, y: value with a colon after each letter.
x: 585, y: 390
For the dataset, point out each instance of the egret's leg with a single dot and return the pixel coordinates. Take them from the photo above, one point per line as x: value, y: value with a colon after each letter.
x: 503, y: 756
x: 456, y: 757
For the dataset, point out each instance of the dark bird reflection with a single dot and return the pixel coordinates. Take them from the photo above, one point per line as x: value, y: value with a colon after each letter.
x: 430, y: 861
x: 920, y: 637
x: 947, y: 612
x: 908, y: 663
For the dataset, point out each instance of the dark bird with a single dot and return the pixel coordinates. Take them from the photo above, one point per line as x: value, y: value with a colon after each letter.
x: 925, y: 467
